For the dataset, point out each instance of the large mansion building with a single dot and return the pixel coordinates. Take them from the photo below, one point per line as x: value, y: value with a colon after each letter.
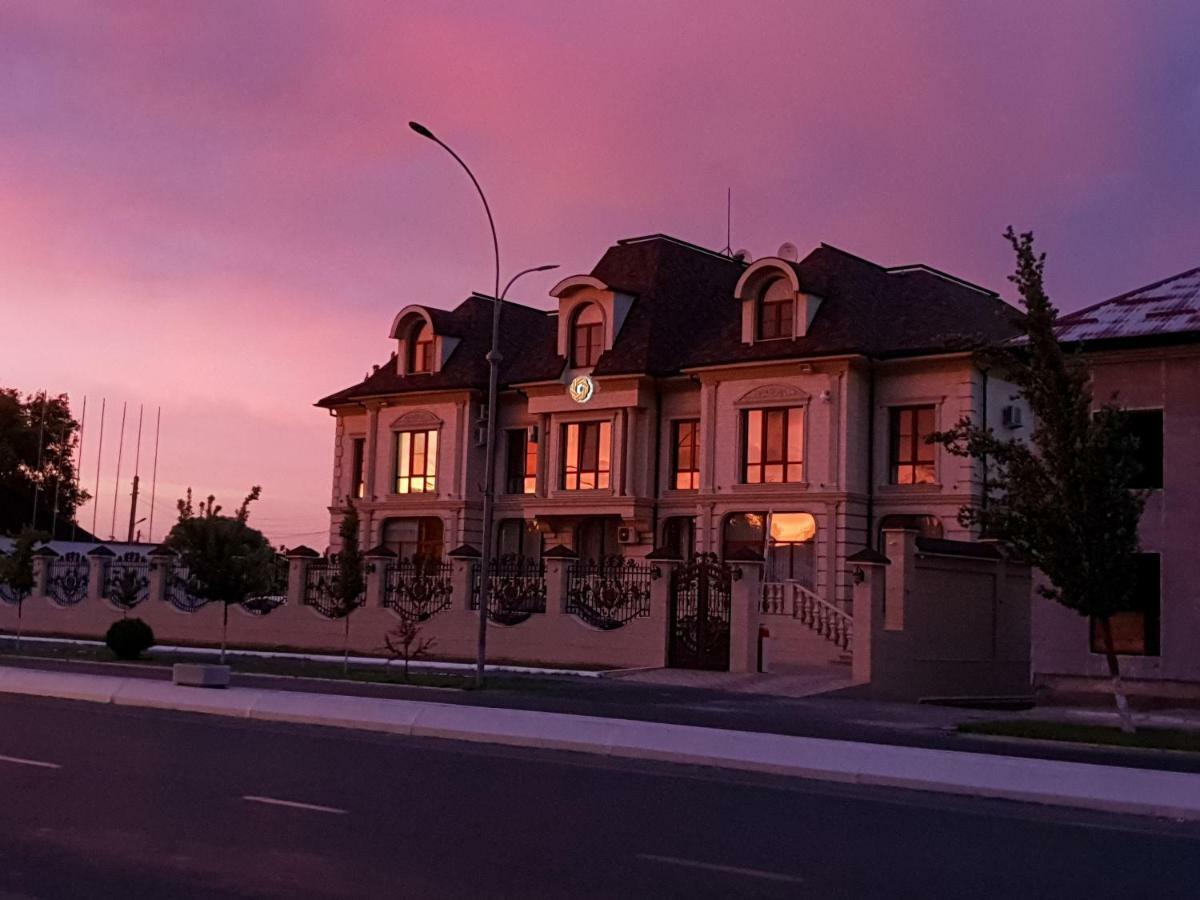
x: 680, y: 400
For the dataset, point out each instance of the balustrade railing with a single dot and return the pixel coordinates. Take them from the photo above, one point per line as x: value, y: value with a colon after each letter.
x: 516, y: 589
x: 609, y: 592
x: 789, y: 598
x: 417, y: 589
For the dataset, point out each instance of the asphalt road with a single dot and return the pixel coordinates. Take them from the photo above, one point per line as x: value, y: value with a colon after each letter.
x: 102, y: 801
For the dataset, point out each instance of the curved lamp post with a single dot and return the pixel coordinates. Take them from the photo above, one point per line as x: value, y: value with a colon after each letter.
x: 493, y: 358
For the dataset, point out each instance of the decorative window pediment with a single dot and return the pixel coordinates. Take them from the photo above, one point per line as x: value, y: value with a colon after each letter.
x: 415, y: 419
x: 774, y: 395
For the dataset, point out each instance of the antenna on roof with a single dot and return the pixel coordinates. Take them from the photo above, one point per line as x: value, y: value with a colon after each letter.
x: 728, y: 251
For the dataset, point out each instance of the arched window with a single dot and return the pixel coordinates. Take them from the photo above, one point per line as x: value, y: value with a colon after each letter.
x: 420, y: 349
x: 587, y: 336
x: 776, y: 310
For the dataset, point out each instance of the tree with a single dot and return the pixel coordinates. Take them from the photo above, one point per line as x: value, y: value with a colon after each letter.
x: 225, y: 560
x: 404, y: 642
x: 347, y: 586
x: 1065, y: 500
x: 16, y: 572
x: 38, y: 439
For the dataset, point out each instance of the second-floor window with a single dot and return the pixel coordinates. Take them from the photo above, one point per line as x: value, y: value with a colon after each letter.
x: 420, y: 357
x: 776, y: 310
x: 685, y: 455
x: 587, y: 336
x: 910, y: 457
x: 522, y: 462
x: 1146, y: 425
x: 774, y: 445
x: 587, y: 456
x: 416, y: 462
x: 358, y: 483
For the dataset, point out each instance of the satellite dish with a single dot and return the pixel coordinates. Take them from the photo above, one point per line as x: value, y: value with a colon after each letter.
x: 789, y: 251
x: 744, y: 256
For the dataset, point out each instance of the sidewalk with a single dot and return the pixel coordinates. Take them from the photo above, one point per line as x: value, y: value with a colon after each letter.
x: 1072, y: 784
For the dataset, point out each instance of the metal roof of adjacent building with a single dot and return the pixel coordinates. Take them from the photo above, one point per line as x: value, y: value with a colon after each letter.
x: 1167, y: 308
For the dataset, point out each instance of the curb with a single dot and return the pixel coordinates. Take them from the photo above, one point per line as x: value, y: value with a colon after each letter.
x: 1051, y: 782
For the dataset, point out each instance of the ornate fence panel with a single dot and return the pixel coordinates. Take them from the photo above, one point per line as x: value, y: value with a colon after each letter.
x: 321, y: 588
x: 516, y: 589
x: 609, y: 592
x: 276, y: 595
x: 701, y: 597
x: 178, y: 591
x: 417, y: 589
x: 128, y: 580
x: 68, y: 584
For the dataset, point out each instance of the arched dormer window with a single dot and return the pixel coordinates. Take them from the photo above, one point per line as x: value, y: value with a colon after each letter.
x: 587, y: 336
x: 776, y: 312
x: 420, y: 348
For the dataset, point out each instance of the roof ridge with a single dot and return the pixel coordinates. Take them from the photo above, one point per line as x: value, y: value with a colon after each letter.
x: 861, y: 259
x: 939, y: 273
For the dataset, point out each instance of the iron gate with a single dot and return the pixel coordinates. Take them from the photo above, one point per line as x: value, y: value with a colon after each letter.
x: 700, y: 601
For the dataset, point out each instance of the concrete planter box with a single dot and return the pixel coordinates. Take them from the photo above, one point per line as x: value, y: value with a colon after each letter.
x: 200, y: 675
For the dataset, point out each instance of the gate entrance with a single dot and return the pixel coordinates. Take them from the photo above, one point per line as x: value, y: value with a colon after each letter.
x: 700, y: 601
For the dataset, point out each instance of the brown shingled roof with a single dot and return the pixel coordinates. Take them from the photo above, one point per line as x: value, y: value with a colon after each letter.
x: 684, y: 315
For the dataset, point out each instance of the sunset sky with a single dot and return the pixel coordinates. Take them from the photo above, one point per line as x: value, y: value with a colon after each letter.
x: 217, y: 207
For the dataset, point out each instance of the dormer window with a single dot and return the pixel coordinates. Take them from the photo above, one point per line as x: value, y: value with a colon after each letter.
x: 420, y: 354
x: 776, y: 310
x: 587, y: 336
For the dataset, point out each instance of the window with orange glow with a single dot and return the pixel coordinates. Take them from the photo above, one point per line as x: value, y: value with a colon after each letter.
x: 773, y: 445
x: 587, y: 456
x: 416, y: 462
x: 685, y: 455
x: 587, y: 336
x: 911, y: 457
x: 420, y: 357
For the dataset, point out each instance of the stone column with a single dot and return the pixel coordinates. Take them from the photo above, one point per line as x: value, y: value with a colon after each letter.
x: 463, y: 561
x: 377, y: 561
x: 99, y: 561
x: 161, y: 560
x: 743, y: 613
x: 868, y: 573
x: 299, y: 559
x: 42, y: 558
x: 558, y: 563
x: 900, y: 547
x: 660, y: 598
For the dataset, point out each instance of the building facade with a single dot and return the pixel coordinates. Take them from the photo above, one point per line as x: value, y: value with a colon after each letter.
x: 677, y: 399
x: 1143, y: 348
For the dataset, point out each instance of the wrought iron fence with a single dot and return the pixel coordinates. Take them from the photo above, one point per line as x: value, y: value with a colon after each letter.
x: 276, y: 595
x: 179, y: 592
x: 127, y: 582
x: 516, y: 589
x: 609, y: 592
x: 418, y: 588
x: 68, y: 583
x: 322, y: 585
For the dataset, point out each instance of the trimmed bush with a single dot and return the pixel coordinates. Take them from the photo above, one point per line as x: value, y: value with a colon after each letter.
x: 129, y: 638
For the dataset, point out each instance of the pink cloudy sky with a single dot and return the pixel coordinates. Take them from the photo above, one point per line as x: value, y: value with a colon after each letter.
x: 218, y: 207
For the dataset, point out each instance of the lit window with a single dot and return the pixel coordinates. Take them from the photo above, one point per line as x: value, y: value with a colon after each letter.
x: 416, y: 461
x: 358, y: 484
x: 522, y: 462
x: 910, y: 456
x: 773, y: 441
x: 791, y: 551
x: 685, y: 455
x: 776, y: 310
x: 1136, y: 632
x: 587, y: 336
x: 420, y: 357
x: 587, y: 450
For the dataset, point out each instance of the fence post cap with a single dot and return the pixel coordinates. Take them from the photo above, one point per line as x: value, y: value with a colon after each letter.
x: 162, y: 550
x: 558, y: 551
x: 303, y: 552
x: 464, y: 551
x: 869, y: 557
x: 663, y: 554
x: 380, y: 552
x: 48, y: 552
x: 100, y: 551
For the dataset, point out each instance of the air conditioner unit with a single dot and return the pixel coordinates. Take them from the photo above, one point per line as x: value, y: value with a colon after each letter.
x: 1011, y: 417
x: 627, y: 535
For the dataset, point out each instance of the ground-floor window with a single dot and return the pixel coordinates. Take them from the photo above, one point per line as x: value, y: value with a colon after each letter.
x: 422, y: 537
x: 520, y: 538
x: 596, y: 537
x: 792, y: 548
x: 1136, y: 633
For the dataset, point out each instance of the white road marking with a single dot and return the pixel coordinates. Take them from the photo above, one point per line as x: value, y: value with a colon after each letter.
x: 295, y: 804
x: 714, y: 867
x: 30, y: 762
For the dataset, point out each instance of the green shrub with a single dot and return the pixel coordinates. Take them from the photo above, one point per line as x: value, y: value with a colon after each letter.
x: 129, y: 638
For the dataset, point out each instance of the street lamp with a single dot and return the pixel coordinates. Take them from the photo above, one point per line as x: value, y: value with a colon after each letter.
x: 493, y: 358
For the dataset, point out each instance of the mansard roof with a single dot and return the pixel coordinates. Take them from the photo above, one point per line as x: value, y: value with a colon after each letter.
x: 1166, y: 311
x: 684, y: 316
